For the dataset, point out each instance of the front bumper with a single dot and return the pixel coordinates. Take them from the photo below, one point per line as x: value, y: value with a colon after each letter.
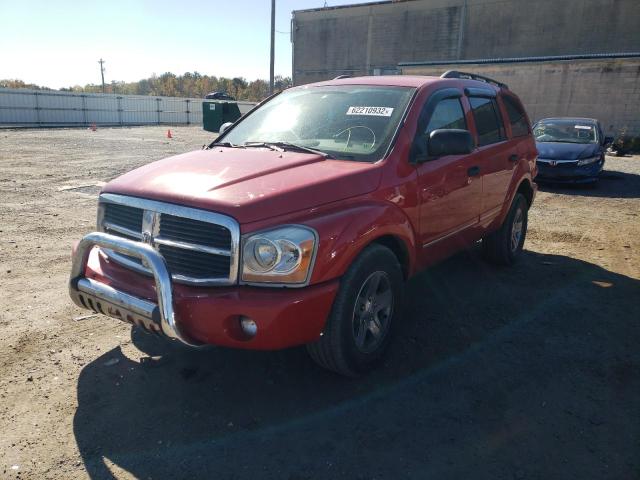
x: 561, y: 173
x: 194, y: 315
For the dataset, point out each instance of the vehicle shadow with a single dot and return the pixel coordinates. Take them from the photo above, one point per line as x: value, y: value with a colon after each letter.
x: 522, y: 372
x: 612, y: 184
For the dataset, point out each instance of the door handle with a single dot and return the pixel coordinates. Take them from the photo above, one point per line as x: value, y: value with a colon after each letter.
x: 514, y: 158
x: 473, y: 171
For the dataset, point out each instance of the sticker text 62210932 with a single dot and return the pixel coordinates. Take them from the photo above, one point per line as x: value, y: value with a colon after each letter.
x: 373, y: 111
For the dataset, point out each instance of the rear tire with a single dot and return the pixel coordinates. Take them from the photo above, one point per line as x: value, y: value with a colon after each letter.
x: 503, y: 247
x: 359, y: 326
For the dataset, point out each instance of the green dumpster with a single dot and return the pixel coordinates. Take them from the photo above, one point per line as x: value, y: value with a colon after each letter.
x: 212, y: 116
x: 215, y: 113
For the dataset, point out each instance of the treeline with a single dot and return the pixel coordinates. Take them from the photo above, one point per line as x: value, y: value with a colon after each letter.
x: 20, y: 84
x: 168, y: 84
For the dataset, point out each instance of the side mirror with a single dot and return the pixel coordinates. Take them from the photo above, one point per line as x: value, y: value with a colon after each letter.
x: 224, y: 127
x: 450, y: 142
x: 607, y: 141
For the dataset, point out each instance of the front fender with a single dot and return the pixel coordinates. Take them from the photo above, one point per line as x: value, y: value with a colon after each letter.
x: 344, y: 233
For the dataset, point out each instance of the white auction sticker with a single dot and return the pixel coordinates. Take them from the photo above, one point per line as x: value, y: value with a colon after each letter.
x: 374, y: 111
x: 583, y: 127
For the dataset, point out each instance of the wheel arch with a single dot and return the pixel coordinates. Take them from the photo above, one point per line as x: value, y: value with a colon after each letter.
x: 345, y: 235
x: 398, y: 247
x: 526, y: 189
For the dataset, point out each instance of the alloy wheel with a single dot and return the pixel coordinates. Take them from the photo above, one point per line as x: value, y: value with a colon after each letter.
x: 516, y: 229
x: 372, y: 312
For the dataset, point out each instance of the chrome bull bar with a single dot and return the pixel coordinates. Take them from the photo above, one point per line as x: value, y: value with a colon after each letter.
x: 102, y: 298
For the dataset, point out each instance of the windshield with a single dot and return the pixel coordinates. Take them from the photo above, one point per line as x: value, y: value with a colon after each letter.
x: 350, y: 122
x: 565, y: 131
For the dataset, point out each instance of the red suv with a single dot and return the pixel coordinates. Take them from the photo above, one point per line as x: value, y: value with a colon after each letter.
x: 301, y: 223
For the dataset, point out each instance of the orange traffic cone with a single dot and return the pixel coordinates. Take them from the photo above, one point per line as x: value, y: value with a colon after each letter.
x: 169, y: 134
x: 93, y: 127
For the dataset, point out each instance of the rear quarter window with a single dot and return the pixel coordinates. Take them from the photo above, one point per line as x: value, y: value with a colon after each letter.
x: 517, y: 117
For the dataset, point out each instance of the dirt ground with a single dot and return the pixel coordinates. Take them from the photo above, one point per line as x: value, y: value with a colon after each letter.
x: 530, y: 372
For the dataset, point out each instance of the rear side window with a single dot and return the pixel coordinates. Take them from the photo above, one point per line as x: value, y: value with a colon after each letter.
x: 447, y: 114
x: 487, y: 118
x: 517, y: 118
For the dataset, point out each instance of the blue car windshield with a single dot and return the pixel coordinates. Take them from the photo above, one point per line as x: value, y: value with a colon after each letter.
x: 565, y: 131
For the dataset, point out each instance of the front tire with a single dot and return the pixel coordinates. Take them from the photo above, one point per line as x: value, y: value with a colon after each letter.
x: 504, y: 246
x: 362, y: 317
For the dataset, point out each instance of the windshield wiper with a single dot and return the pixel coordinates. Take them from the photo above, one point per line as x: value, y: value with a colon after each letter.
x: 226, y: 144
x: 269, y: 145
x: 282, y: 146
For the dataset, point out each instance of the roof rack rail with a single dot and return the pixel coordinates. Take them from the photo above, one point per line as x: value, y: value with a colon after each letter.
x: 342, y: 76
x: 473, y: 76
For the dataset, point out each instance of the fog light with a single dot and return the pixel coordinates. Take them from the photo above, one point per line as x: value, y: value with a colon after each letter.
x: 248, y: 326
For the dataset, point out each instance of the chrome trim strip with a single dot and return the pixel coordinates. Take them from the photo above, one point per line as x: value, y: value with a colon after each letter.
x: 450, y: 234
x: 168, y: 321
x: 100, y: 216
x: 490, y: 214
x: 123, y: 230
x: 186, y: 212
x: 192, y: 246
x: 149, y: 223
x: 544, y: 160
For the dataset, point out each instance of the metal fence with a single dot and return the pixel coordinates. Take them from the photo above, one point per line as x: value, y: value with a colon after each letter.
x: 45, y: 108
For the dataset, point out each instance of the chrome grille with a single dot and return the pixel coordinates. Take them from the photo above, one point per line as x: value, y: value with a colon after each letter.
x: 194, y: 231
x: 193, y: 263
x: 200, y: 247
x: 124, y: 216
x: 558, y: 163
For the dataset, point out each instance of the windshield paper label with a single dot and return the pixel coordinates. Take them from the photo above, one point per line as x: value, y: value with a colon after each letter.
x: 372, y: 111
x: 583, y: 127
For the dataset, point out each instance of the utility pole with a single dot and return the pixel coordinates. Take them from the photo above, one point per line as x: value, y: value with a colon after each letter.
x: 273, y: 43
x: 101, y: 62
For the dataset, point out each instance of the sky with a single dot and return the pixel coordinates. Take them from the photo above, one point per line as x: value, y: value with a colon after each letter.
x: 58, y: 43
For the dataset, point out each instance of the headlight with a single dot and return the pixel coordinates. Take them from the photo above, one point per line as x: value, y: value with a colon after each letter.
x: 587, y: 161
x: 284, y: 255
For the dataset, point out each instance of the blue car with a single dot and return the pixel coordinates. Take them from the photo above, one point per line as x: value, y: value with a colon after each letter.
x: 570, y: 150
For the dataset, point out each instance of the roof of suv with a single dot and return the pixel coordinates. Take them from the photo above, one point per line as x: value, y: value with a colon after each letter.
x: 415, y: 81
x: 390, y: 80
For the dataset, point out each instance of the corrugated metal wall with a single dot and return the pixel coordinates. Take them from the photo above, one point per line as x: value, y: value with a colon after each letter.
x: 43, y: 108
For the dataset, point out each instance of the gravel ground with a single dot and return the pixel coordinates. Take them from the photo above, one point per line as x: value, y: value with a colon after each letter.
x: 531, y: 372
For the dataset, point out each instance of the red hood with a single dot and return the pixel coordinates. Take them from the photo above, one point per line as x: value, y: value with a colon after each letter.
x: 248, y: 184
